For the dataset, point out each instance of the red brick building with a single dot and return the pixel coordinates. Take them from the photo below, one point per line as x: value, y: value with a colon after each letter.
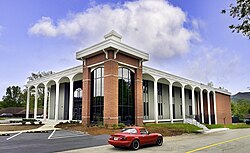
x: 112, y: 86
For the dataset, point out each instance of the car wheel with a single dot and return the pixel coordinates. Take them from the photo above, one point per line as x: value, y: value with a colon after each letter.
x: 159, y: 141
x: 116, y: 146
x: 135, y: 145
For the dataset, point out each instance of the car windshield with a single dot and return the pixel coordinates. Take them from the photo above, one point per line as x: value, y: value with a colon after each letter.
x: 129, y: 130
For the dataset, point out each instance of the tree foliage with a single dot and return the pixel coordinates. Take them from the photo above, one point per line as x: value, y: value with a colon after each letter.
x: 13, y: 97
x: 240, y: 108
x: 241, y: 12
x: 35, y: 76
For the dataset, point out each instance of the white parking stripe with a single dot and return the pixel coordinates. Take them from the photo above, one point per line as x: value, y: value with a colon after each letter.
x: 14, y: 136
x: 61, y: 137
x: 52, y: 134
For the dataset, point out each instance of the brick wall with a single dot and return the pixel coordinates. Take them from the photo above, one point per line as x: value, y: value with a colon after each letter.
x: 223, y: 108
x: 110, y: 114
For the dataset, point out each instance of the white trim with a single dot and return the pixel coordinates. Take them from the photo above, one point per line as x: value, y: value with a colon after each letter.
x: 115, y: 53
x: 177, y: 119
x: 121, y: 63
x: 148, y: 121
x: 114, y: 44
x: 123, y: 66
x: 164, y: 120
x: 96, y: 66
x: 161, y: 74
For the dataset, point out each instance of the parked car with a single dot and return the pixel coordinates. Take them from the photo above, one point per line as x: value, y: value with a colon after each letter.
x: 134, y: 137
x: 6, y: 115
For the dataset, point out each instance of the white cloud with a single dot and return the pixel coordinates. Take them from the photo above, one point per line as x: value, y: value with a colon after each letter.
x: 153, y: 26
x: 212, y: 64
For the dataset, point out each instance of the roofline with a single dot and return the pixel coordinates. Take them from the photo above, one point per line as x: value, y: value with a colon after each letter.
x: 114, y: 44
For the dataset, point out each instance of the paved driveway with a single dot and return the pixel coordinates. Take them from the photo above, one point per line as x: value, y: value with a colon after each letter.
x: 49, y: 142
x: 230, y: 141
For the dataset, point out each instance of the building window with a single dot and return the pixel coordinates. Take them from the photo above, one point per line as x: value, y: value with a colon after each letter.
x: 190, y: 94
x: 145, y: 100
x: 180, y: 93
x: 181, y: 109
x: 126, y: 109
x: 97, y: 98
x: 173, y: 91
x: 190, y: 110
x: 159, y: 98
x: 78, y: 93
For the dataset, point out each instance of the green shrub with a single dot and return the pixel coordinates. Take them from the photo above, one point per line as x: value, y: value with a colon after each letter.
x: 106, y: 126
x: 32, y: 122
x: 40, y: 122
x: 121, y: 125
x: 23, y: 123
x: 114, y: 126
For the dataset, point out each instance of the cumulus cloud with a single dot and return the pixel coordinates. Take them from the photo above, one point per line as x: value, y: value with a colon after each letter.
x: 153, y: 26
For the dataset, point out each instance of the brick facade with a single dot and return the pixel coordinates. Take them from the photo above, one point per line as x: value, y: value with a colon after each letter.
x: 86, y: 83
x: 111, y: 63
x: 223, y: 107
x: 110, y: 92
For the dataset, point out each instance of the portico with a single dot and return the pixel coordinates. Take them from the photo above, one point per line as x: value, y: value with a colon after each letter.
x: 112, y: 86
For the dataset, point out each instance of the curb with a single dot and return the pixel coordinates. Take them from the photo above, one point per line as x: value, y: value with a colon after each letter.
x: 5, y: 134
x: 212, y: 130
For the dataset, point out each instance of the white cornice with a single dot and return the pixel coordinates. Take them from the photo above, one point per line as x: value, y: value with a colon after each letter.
x: 56, y: 76
x: 174, y: 78
x: 114, y: 44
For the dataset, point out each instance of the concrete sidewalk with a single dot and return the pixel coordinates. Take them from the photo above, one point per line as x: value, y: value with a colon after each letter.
x: 49, y: 125
x: 213, y: 130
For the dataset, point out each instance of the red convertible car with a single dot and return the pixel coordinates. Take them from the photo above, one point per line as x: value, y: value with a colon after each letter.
x: 134, y: 137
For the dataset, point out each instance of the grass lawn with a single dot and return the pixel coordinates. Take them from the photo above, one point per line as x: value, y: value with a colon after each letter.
x: 2, y: 118
x: 230, y: 126
x: 172, y: 129
x: 164, y: 129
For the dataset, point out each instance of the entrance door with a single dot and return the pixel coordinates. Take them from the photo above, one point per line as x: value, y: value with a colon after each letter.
x: 77, y: 109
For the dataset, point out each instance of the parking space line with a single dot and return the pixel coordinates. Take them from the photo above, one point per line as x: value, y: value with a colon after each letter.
x: 14, y: 135
x: 61, y: 137
x: 52, y: 134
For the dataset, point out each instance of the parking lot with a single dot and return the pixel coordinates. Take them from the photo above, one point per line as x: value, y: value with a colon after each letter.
x: 51, y: 141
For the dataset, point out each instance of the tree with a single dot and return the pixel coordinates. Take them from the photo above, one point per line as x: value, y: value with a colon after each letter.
x: 13, y: 98
x: 210, y: 84
x: 35, y: 76
x: 240, y: 11
x: 240, y: 108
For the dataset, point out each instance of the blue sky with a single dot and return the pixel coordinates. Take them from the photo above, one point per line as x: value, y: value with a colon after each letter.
x: 191, y: 37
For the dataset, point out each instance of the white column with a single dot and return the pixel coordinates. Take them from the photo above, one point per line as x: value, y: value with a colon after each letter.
x: 28, y: 103
x: 193, y: 103
x: 170, y: 102
x: 71, y: 99
x: 35, y: 106
x: 183, y: 102
x: 49, y: 105
x: 155, y: 101
x: 215, y: 111
x: 57, y: 100
x: 202, y: 110
x: 45, y: 102
x: 208, y: 106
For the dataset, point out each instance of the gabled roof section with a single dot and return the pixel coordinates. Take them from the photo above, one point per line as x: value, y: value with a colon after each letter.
x: 112, y: 40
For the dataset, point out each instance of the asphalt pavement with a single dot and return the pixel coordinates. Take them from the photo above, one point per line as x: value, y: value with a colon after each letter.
x: 229, y: 141
x: 52, y: 141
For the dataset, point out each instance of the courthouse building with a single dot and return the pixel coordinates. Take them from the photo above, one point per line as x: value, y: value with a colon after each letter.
x: 112, y: 86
